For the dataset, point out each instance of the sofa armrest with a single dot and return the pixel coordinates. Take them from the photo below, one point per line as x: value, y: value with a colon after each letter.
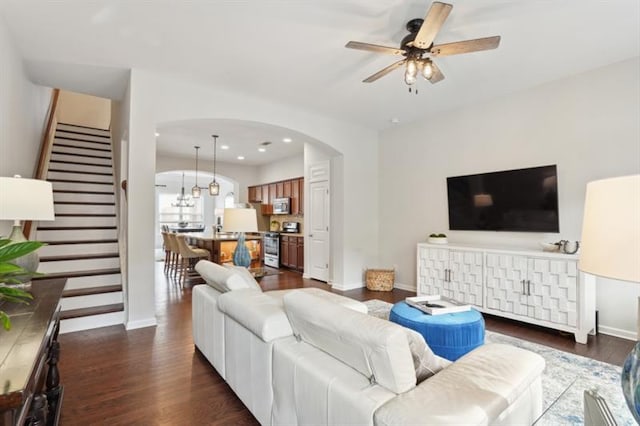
x: 474, y: 390
x: 257, y: 312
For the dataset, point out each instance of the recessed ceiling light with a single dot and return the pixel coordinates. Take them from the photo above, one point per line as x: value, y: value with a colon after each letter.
x: 224, y: 147
x: 240, y: 157
x: 286, y: 140
x: 157, y: 134
x: 262, y: 150
x: 395, y: 120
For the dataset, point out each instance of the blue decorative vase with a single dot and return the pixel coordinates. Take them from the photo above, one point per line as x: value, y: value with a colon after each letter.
x: 631, y: 381
x: 241, y: 256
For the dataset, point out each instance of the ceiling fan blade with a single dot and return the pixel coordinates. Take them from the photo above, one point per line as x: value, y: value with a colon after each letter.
x: 374, y: 48
x: 383, y: 72
x: 466, y: 46
x: 437, y: 75
x: 437, y: 14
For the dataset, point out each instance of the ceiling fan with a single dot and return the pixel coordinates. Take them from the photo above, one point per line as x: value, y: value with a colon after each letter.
x: 417, y: 47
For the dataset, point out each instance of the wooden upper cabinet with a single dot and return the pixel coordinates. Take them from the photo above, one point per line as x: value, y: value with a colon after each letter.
x: 279, y: 189
x: 272, y: 192
x: 295, y: 196
x: 286, y: 192
x: 265, y: 194
x: 253, y: 194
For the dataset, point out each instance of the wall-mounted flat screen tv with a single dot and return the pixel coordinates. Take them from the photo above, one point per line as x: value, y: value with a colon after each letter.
x: 523, y: 200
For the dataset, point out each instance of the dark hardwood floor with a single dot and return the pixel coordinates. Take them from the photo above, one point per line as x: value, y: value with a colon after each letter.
x: 154, y: 375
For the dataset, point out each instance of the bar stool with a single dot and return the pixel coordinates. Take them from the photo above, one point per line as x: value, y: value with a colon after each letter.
x: 174, y: 256
x: 189, y: 255
x: 167, y: 251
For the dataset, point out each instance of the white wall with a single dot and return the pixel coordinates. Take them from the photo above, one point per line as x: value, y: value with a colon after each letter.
x: 23, y: 109
x: 286, y: 168
x: 588, y: 125
x: 160, y: 98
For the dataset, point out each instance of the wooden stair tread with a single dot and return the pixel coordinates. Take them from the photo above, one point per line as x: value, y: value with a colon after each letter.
x: 72, y: 228
x: 85, y: 203
x: 79, y: 181
x: 78, y: 257
x: 79, y: 163
x: 92, y: 290
x: 75, y: 274
x: 82, y: 127
x: 85, y: 215
x: 60, y: 243
x: 97, y: 310
x: 70, y: 191
x: 81, y: 155
x: 80, y: 172
x: 66, y: 145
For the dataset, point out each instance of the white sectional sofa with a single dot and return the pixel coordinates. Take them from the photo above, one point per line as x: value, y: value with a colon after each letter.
x: 308, y: 356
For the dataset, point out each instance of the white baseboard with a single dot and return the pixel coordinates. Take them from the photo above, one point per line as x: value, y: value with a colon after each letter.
x: 617, y: 332
x: 149, y: 322
x: 406, y: 287
x: 345, y: 287
x: 306, y: 276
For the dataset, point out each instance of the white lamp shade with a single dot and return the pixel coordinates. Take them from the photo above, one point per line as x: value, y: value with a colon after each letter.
x: 240, y: 220
x: 610, y: 244
x: 25, y: 199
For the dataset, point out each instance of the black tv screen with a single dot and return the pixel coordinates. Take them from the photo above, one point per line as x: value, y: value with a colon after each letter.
x: 512, y: 200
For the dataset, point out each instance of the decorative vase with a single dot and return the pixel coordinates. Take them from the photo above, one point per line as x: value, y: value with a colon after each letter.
x: 631, y: 381
x: 241, y: 255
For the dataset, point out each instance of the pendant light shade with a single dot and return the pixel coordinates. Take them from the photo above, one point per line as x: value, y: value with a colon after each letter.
x: 195, y: 191
x: 214, y: 187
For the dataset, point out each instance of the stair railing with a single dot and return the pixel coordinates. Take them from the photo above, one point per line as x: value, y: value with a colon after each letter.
x: 45, y: 149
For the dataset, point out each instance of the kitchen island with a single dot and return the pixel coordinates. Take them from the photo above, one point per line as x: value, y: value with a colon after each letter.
x: 221, y: 246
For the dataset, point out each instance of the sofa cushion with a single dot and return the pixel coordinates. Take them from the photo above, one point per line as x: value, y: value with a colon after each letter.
x: 425, y: 362
x: 257, y: 312
x: 327, y: 295
x: 244, y: 273
x: 376, y: 348
x: 221, y: 278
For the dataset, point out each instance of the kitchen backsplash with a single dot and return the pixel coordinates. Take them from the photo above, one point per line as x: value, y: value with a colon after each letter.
x: 288, y: 218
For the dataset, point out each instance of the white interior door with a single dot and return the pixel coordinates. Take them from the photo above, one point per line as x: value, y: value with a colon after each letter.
x: 318, y: 230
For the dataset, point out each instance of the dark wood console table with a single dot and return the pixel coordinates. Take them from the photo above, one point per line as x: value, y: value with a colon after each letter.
x: 30, y: 390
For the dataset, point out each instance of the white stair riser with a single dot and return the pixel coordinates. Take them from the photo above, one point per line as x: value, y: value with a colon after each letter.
x: 91, y: 281
x: 74, y: 158
x: 83, y: 209
x: 78, y: 265
x: 80, y: 177
x: 94, y: 321
x: 80, y: 167
x: 81, y: 151
x: 73, y: 186
x: 82, y: 144
x: 83, y: 198
x: 91, y: 300
x: 63, y: 128
x: 80, y: 234
x: 81, y: 221
x: 77, y: 249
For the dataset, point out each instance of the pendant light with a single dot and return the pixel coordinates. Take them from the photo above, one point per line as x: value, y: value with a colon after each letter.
x: 195, y: 191
x: 214, y: 187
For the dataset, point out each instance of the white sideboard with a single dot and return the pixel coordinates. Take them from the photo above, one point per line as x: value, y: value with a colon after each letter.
x: 537, y: 287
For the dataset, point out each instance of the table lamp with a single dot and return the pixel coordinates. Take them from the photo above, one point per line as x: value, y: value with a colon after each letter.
x: 240, y: 220
x: 25, y: 199
x: 611, y: 249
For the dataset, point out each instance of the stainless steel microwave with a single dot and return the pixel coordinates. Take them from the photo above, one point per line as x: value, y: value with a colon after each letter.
x: 281, y: 206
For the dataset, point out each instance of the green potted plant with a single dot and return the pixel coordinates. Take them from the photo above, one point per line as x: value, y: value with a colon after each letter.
x: 437, y: 239
x: 12, y: 274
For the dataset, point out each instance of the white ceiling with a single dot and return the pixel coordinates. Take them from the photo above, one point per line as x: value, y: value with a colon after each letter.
x: 293, y: 51
x: 243, y: 138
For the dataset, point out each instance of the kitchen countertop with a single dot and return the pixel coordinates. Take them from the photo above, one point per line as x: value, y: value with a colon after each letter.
x: 291, y: 234
x: 220, y: 236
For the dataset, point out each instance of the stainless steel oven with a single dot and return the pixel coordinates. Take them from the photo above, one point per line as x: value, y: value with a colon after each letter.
x: 271, y: 241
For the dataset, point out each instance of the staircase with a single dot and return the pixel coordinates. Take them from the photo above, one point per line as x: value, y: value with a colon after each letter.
x: 83, y: 238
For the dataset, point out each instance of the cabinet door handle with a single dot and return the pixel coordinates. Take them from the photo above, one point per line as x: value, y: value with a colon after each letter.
x: 529, y: 287
x: 523, y: 291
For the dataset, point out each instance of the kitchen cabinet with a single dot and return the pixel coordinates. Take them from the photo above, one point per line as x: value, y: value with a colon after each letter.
x: 279, y: 189
x: 255, y: 194
x: 266, y: 193
x: 292, y: 252
x: 545, y: 289
x: 286, y: 188
x: 301, y: 196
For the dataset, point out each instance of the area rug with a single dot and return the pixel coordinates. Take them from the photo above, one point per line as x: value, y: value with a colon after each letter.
x: 564, y: 379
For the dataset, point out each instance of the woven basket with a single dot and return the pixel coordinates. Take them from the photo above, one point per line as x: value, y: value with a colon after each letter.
x: 380, y: 279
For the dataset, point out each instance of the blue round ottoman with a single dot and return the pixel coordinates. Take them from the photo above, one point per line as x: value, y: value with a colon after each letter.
x: 449, y: 335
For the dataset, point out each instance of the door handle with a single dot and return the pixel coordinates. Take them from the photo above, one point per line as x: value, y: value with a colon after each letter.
x: 529, y: 287
x: 446, y: 275
x: 523, y: 290
x: 310, y: 235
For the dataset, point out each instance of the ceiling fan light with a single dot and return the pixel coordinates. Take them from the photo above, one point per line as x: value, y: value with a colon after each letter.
x: 412, y: 68
x: 214, y: 188
x: 409, y: 79
x: 195, y: 192
x: 427, y: 70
